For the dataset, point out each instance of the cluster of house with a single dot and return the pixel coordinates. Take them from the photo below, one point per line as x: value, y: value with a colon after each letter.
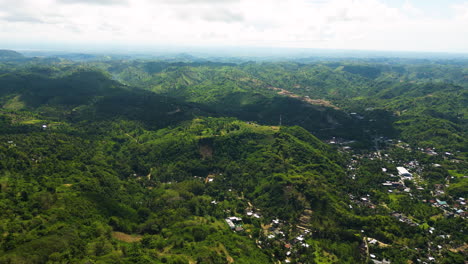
x: 295, y: 245
x: 446, y: 154
x: 429, y: 151
x: 404, y: 219
x: 365, y: 250
x: 459, y: 206
x: 292, y: 247
x: 439, y: 189
x: 235, y: 223
x: 461, y: 201
x: 458, y: 209
x: 432, y: 152
x: 404, y: 174
x: 251, y: 213
x: 455, y: 207
x: 362, y: 201
x: 342, y: 142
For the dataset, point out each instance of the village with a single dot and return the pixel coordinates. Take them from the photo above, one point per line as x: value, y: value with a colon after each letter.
x: 406, y: 181
x: 404, y: 178
x: 276, y: 233
x: 400, y: 178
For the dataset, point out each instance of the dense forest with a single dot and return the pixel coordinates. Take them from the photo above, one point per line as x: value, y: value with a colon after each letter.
x: 118, y: 160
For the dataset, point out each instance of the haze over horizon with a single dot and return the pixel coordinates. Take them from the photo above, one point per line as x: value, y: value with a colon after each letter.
x: 376, y: 25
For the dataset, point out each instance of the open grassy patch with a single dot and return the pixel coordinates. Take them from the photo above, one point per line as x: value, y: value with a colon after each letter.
x: 14, y: 104
x: 126, y: 237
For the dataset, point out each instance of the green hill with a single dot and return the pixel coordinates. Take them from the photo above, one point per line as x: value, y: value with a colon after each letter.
x: 83, y: 95
x: 231, y: 90
x: 404, y: 97
x: 9, y: 54
x: 96, y: 171
x: 142, y: 182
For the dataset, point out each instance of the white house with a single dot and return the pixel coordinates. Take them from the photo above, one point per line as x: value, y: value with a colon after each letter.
x: 404, y: 172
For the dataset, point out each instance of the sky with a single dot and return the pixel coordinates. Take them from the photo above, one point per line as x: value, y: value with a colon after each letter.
x: 388, y: 25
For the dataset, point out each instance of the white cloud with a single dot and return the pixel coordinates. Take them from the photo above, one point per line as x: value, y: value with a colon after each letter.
x: 461, y: 12
x: 411, y: 10
x: 95, y: 2
x: 340, y: 24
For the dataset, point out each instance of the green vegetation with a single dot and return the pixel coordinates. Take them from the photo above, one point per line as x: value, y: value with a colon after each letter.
x: 9, y: 55
x: 109, y: 161
x: 421, y: 102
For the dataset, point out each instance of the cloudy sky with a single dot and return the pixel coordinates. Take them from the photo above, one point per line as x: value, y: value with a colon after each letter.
x: 401, y: 25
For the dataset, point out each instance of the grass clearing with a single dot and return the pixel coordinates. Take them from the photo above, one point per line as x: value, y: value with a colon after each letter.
x: 126, y: 237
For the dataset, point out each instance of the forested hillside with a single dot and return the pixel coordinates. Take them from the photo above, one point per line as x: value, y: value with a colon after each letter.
x: 421, y: 102
x: 9, y: 55
x: 133, y: 161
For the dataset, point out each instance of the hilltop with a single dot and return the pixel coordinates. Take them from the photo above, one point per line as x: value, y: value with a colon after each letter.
x: 9, y: 54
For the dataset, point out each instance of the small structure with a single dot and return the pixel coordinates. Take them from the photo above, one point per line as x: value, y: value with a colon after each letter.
x: 233, y: 223
x: 235, y: 218
x: 384, y: 261
x: 230, y: 223
x: 210, y: 178
x: 393, y: 184
x: 404, y: 172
